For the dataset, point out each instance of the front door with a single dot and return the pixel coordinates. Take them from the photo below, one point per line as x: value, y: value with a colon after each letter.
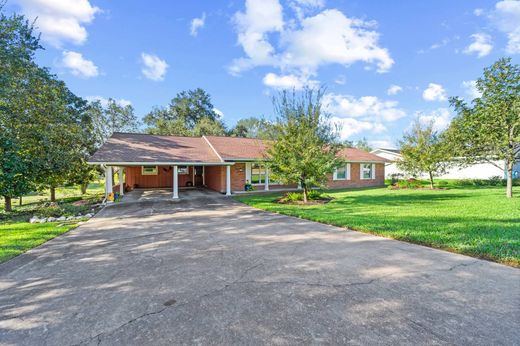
x: 198, y: 176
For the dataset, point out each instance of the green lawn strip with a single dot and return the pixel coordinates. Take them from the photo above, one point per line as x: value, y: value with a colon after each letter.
x: 18, y: 237
x: 476, y: 221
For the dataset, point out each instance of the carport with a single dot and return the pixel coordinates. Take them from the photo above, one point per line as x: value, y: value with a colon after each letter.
x: 159, y: 162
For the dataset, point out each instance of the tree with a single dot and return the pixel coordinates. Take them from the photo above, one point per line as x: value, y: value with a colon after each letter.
x: 189, y: 113
x: 306, y: 149
x: 423, y: 152
x: 362, y: 144
x: 253, y: 128
x: 488, y: 129
x: 18, y: 44
x: 110, y: 118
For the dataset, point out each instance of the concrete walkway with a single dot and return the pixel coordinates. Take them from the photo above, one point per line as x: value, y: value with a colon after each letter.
x: 212, y: 271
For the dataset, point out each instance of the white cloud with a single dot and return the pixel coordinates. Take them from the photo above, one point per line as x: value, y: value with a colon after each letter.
x: 154, y: 67
x: 478, y: 12
x: 104, y: 101
x: 328, y: 37
x: 310, y: 3
x: 382, y: 143
x: 196, y: 24
x: 288, y: 81
x: 394, y: 89
x: 367, y: 113
x: 440, y: 118
x: 60, y: 20
x: 363, y: 107
x: 506, y: 17
x: 470, y: 88
x: 219, y: 113
x: 481, y: 45
x: 78, y: 65
x: 253, y: 25
x: 434, y: 92
x: 351, y: 126
x: 341, y: 80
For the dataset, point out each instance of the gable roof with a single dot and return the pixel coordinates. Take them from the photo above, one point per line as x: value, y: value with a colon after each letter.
x: 134, y: 148
x: 392, y: 151
x: 142, y: 148
x: 358, y: 155
x: 238, y: 148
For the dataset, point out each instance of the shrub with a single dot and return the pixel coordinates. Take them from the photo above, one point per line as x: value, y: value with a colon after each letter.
x: 314, y: 194
x: 298, y: 196
x: 409, y: 184
x: 495, y: 181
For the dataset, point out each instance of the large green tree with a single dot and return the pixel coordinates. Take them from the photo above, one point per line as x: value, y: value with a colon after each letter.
x: 253, y: 127
x: 18, y: 44
x: 488, y: 129
x: 305, y: 151
x: 423, y: 152
x: 190, y: 113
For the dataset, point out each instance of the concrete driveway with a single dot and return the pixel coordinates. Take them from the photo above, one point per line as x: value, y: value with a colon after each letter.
x: 212, y: 271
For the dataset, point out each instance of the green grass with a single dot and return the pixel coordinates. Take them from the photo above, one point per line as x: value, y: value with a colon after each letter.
x: 62, y: 193
x: 475, y: 221
x: 18, y: 237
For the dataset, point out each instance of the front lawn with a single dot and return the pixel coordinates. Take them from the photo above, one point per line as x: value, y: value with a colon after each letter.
x: 18, y: 237
x: 475, y: 221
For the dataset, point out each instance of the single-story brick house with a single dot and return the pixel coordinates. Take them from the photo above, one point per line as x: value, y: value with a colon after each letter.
x: 223, y: 164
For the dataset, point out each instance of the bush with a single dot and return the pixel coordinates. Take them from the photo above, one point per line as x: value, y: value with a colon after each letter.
x: 298, y: 196
x: 409, y: 184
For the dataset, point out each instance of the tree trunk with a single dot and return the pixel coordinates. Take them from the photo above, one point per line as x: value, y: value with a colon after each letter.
x: 431, y: 180
x: 53, y: 194
x: 20, y: 202
x: 305, y: 193
x: 84, y: 187
x: 7, y: 205
x: 509, y: 188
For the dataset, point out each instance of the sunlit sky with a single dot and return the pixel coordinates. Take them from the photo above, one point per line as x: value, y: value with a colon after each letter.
x: 383, y: 63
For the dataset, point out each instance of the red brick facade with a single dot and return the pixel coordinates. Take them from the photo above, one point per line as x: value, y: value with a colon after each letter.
x: 355, y: 178
x: 215, y: 178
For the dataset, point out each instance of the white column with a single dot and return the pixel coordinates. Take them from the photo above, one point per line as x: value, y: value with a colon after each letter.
x: 175, y: 182
x: 108, y: 181
x: 203, y: 175
x: 228, y: 180
x: 121, y: 181
x: 266, y: 188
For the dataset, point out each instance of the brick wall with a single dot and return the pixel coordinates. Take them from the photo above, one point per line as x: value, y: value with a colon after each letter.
x: 356, y: 181
x: 215, y: 178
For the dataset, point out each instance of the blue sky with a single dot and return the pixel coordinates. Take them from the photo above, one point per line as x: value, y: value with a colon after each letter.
x: 383, y: 63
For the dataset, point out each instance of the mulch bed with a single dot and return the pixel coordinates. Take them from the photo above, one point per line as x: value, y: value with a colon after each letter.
x: 309, y: 202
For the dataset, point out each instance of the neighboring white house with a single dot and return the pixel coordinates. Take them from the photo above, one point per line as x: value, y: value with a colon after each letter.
x: 476, y: 171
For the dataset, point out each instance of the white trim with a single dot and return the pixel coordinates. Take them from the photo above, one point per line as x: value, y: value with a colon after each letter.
x: 213, y: 148
x: 168, y: 163
x: 347, y: 168
x: 108, y: 182
x: 121, y: 182
x: 228, y: 180
x: 175, y: 183
x: 373, y: 173
x: 203, y: 176
x: 266, y: 188
x: 248, y: 172
x: 335, y: 173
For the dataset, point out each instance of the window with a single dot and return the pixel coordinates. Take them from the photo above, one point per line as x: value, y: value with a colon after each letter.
x: 367, y: 171
x: 149, y: 170
x: 183, y: 170
x: 342, y: 173
x: 257, y: 174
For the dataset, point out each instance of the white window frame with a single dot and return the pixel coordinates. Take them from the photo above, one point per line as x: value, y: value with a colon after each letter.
x: 183, y: 170
x: 154, y: 172
x: 347, y: 173
x: 362, y: 167
x: 262, y: 177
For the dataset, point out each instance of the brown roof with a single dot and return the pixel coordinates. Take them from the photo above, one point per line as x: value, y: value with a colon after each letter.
x: 353, y: 154
x: 133, y: 147
x: 142, y: 148
x: 232, y: 148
